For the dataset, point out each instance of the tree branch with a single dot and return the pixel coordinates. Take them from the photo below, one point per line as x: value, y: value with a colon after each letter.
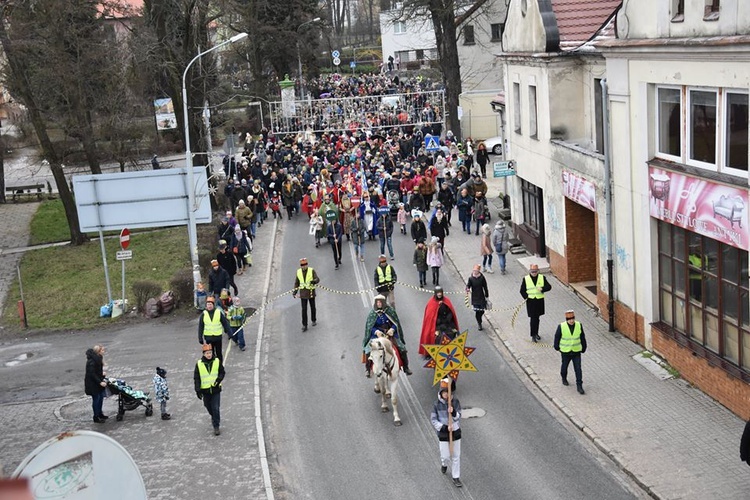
x: 463, y: 17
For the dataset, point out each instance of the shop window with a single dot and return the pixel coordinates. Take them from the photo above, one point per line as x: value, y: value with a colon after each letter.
x: 704, y: 292
x: 469, y: 34
x: 531, y: 195
x: 669, y: 116
x: 533, y: 127
x: 517, y: 107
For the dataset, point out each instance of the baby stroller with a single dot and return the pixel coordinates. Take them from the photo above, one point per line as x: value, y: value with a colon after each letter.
x: 394, y: 198
x: 128, y: 398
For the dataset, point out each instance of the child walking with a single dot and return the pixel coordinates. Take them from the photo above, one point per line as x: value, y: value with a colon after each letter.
x: 236, y: 316
x: 161, y: 391
x: 435, y: 259
x: 420, y: 261
x: 401, y: 217
x: 485, y: 249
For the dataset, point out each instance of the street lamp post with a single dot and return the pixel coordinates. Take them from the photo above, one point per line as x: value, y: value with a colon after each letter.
x: 302, y: 89
x: 192, y: 231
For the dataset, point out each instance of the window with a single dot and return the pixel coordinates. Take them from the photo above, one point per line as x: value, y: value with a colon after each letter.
x: 598, y: 116
x: 532, y: 196
x: 533, y: 129
x: 702, y: 126
x: 496, y: 31
x: 704, y: 292
x: 736, y: 131
x: 678, y: 11
x: 711, y: 12
x: 517, y: 108
x: 399, y: 27
x: 469, y: 34
x: 420, y: 54
x: 669, y: 120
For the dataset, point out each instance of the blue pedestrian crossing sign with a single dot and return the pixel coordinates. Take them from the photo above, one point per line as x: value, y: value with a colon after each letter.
x: 335, y: 54
x: 431, y: 143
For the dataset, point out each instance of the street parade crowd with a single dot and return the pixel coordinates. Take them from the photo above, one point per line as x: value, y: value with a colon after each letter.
x: 363, y: 186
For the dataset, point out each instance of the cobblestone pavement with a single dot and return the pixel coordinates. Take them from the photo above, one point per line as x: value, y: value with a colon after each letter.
x: 673, y: 439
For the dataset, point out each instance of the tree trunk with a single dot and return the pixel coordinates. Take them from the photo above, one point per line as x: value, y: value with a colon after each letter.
x: 17, y: 71
x: 443, y: 20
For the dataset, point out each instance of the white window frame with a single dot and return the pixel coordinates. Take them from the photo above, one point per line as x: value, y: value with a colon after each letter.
x: 723, y: 153
x: 517, y: 115
x: 533, y: 113
x: 660, y: 154
x: 714, y: 167
x: 396, y: 25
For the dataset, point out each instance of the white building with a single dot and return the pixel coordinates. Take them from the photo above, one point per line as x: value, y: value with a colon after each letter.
x: 410, y: 40
x: 679, y: 76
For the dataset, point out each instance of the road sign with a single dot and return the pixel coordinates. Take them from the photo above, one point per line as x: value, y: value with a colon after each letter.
x: 352, y: 65
x: 125, y: 238
x: 335, y: 54
x: 431, y: 143
x: 336, y: 61
x: 503, y: 169
x: 124, y: 255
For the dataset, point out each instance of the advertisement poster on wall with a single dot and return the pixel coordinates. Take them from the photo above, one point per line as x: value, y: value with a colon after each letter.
x: 579, y: 190
x: 165, y: 117
x: 714, y: 210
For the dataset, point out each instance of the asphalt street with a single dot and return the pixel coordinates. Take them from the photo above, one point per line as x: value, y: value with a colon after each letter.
x: 329, y: 439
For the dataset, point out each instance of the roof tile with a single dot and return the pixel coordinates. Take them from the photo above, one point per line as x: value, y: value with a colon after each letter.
x: 579, y: 20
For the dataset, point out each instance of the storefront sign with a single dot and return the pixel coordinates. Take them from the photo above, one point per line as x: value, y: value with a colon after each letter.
x: 714, y: 210
x: 503, y: 169
x: 579, y: 190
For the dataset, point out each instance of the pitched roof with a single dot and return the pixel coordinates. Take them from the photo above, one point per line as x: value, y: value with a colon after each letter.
x: 579, y: 20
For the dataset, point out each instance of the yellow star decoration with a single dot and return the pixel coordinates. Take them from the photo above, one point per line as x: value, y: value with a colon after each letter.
x: 450, y: 358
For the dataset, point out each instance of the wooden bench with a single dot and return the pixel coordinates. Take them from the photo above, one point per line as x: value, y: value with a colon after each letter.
x: 25, y: 189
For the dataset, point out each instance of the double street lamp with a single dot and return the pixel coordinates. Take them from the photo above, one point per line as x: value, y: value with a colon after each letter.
x: 302, y: 89
x: 192, y: 207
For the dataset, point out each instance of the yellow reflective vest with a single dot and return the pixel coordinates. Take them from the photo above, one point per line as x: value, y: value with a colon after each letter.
x: 531, y: 288
x: 386, y: 277
x: 208, y: 378
x: 570, y: 341
x: 305, y: 282
x: 212, y: 326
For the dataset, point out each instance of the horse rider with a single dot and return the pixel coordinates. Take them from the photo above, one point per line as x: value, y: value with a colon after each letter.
x: 383, y: 320
x: 385, y: 280
x: 439, y: 318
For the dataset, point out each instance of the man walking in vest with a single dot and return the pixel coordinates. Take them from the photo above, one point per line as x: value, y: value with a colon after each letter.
x: 211, y: 326
x: 571, y: 342
x: 304, y: 284
x: 385, y: 280
x: 207, y: 376
x: 533, y: 287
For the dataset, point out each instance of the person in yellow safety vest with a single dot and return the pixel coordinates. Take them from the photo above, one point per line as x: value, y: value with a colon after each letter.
x: 385, y: 280
x: 694, y: 273
x: 533, y: 286
x: 212, y: 325
x: 571, y: 342
x: 207, y: 376
x: 304, y: 285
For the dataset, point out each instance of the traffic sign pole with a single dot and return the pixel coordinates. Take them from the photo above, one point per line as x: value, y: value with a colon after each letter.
x: 124, y: 244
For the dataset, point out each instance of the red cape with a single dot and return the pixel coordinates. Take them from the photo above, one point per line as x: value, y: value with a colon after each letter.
x: 429, y: 322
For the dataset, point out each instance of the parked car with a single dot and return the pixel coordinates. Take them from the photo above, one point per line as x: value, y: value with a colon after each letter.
x: 494, y: 145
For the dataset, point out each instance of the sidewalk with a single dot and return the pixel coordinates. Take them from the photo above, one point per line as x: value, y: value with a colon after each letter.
x: 15, y: 219
x: 670, y: 437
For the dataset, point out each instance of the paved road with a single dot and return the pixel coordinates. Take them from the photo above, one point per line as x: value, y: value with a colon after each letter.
x: 330, y: 440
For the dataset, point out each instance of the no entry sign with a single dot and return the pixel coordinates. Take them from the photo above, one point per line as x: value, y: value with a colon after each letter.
x: 125, y: 238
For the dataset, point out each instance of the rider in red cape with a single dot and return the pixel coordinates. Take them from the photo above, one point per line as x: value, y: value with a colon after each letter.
x: 436, y: 319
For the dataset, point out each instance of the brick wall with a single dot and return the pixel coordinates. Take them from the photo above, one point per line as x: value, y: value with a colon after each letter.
x: 727, y: 390
x: 627, y: 321
x: 581, y: 249
x: 558, y: 265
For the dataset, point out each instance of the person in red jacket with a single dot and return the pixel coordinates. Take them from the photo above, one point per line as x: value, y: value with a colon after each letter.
x: 439, y: 319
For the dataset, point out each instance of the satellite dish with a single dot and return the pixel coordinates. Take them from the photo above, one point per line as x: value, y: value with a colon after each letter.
x: 82, y: 465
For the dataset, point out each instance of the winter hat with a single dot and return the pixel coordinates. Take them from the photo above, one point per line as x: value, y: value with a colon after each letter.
x: 434, y: 240
x: 238, y: 229
x: 500, y: 224
x: 161, y: 372
x: 486, y: 229
x: 207, y: 347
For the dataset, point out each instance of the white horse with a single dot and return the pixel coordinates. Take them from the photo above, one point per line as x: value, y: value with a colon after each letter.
x: 386, y: 367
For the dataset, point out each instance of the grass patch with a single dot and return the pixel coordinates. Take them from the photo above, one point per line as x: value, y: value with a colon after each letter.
x: 49, y: 224
x: 64, y: 287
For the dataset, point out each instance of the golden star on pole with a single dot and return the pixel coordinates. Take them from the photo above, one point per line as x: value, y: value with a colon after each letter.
x: 450, y: 357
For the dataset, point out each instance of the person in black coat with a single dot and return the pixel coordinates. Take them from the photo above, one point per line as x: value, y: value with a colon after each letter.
x: 447, y: 199
x: 418, y: 229
x: 477, y: 286
x: 439, y: 227
x: 94, y: 383
x: 228, y: 262
x: 533, y: 287
x: 745, y: 444
x: 218, y: 279
x: 335, y: 233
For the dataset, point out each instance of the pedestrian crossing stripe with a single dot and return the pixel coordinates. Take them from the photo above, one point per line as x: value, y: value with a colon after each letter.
x: 431, y: 143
